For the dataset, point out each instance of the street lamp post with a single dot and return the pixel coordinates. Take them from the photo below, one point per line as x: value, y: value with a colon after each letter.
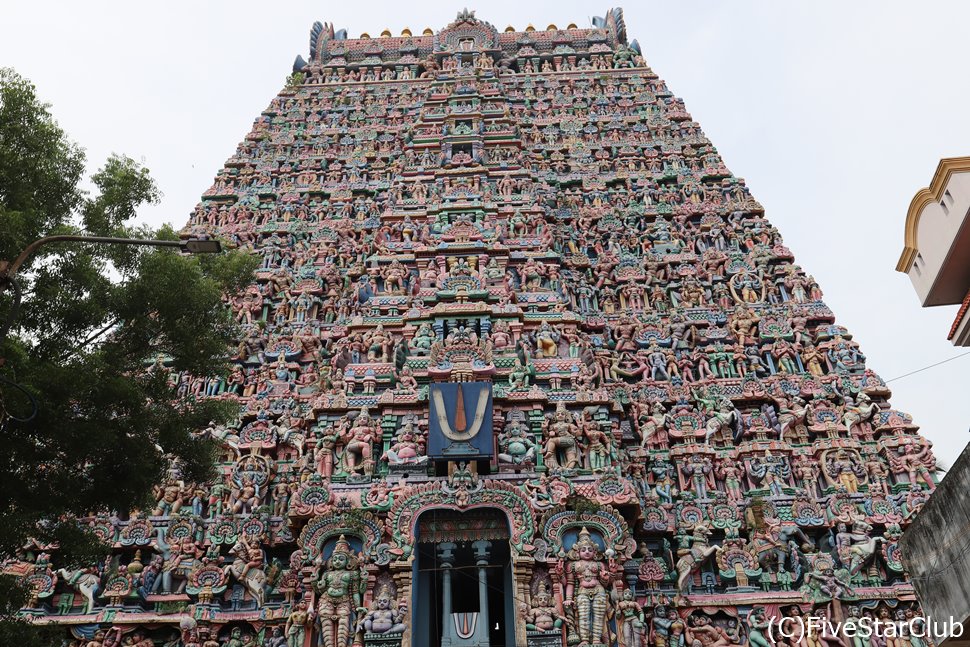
x: 8, y: 270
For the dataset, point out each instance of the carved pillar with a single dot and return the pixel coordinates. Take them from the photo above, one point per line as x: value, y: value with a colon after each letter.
x: 309, y: 576
x: 403, y: 575
x: 446, y: 553
x: 483, y: 549
x: 370, y: 575
x: 522, y: 568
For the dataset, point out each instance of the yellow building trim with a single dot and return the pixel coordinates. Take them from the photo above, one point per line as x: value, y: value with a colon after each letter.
x: 933, y: 193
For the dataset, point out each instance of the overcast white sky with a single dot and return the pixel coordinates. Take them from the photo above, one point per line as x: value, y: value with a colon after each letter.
x: 835, y: 112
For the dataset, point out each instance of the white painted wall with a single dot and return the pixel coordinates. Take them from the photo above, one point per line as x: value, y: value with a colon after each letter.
x: 939, y: 224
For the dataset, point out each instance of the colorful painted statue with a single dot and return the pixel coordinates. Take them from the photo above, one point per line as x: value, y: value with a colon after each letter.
x: 586, y: 596
x: 691, y: 558
x: 340, y: 591
x: 384, y: 615
x: 247, y: 566
x: 542, y: 615
x: 516, y: 445
x: 562, y: 434
x: 633, y: 627
x: 296, y: 625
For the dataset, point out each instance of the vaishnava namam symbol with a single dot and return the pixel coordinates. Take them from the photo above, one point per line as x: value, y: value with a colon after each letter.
x: 452, y: 433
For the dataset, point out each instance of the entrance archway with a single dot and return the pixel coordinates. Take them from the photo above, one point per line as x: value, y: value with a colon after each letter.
x: 463, y: 593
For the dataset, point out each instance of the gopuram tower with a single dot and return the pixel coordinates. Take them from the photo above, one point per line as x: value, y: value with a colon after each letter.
x: 524, y: 364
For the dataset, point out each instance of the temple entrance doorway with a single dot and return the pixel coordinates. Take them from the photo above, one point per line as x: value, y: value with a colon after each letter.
x: 463, y: 593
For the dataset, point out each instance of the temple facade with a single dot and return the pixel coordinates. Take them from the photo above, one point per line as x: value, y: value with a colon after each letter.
x: 524, y: 364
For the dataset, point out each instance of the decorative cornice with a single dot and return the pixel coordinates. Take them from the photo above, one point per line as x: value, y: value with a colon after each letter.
x: 961, y: 313
x: 933, y: 193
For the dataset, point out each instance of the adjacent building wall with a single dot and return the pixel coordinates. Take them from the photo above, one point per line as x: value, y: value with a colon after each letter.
x: 936, y: 550
x: 936, y: 256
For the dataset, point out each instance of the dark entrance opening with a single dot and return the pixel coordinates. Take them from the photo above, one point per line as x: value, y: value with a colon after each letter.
x: 472, y: 551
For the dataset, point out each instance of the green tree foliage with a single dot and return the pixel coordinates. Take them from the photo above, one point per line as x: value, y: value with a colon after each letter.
x: 89, y: 417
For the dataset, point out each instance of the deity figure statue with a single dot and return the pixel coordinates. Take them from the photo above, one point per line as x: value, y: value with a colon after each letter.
x: 812, y: 360
x: 743, y: 324
x: 732, y: 475
x: 860, y: 415
x: 275, y: 639
x: 531, y: 273
x: 584, y: 380
x: 704, y: 633
x: 759, y: 628
x: 501, y: 335
x: 746, y: 287
x: 407, y: 229
x: 492, y: 271
x: 692, y: 293
x: 98, y: 640
x: 324, y: 453
x: 519, y: 376
x: 725, y: 418
x: 663, y: 488
x: 825, y: 583
x: 657, y: 362
x: 340, y: 595
x: 797, y: 284
x: 542, y: 614
x: 540, y: 491
x: 625, y: 333
x: 423, y: 339
x: 698, y: 469
x: 180, y: 557
x: 384, y: 616
x: 296, y: 624
x: 855, y: 625
x: 599, y: 447
x: 856, y: 547
x: 562, y: 436
x: 381, y: 494
x: 916, y: 461
x: 359, y: 442
x: 406, y: 449
x: 668, y: 628
x: 691, y: 559
x: 652, y: 424
x: 784, y: 356
x: 915, y: 627
x: 245, y: 497
x: 586, y: 598
x: 247, y: 566
x: 878, y: 475
x: 844, y: 470
x: 791, y: 419
x: 516, y: 445
x: 681, y: 333
x: 633, y: 628
x: 484, y: 62
x: 547, y: 340
x: 394, y: 275
x: 806, y: 472
x: 771, y: 471
x: 406, y: 382
x: 150, y: 575
x: 844, y: 356
x: 169, y: 497
x: 379, y: 344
